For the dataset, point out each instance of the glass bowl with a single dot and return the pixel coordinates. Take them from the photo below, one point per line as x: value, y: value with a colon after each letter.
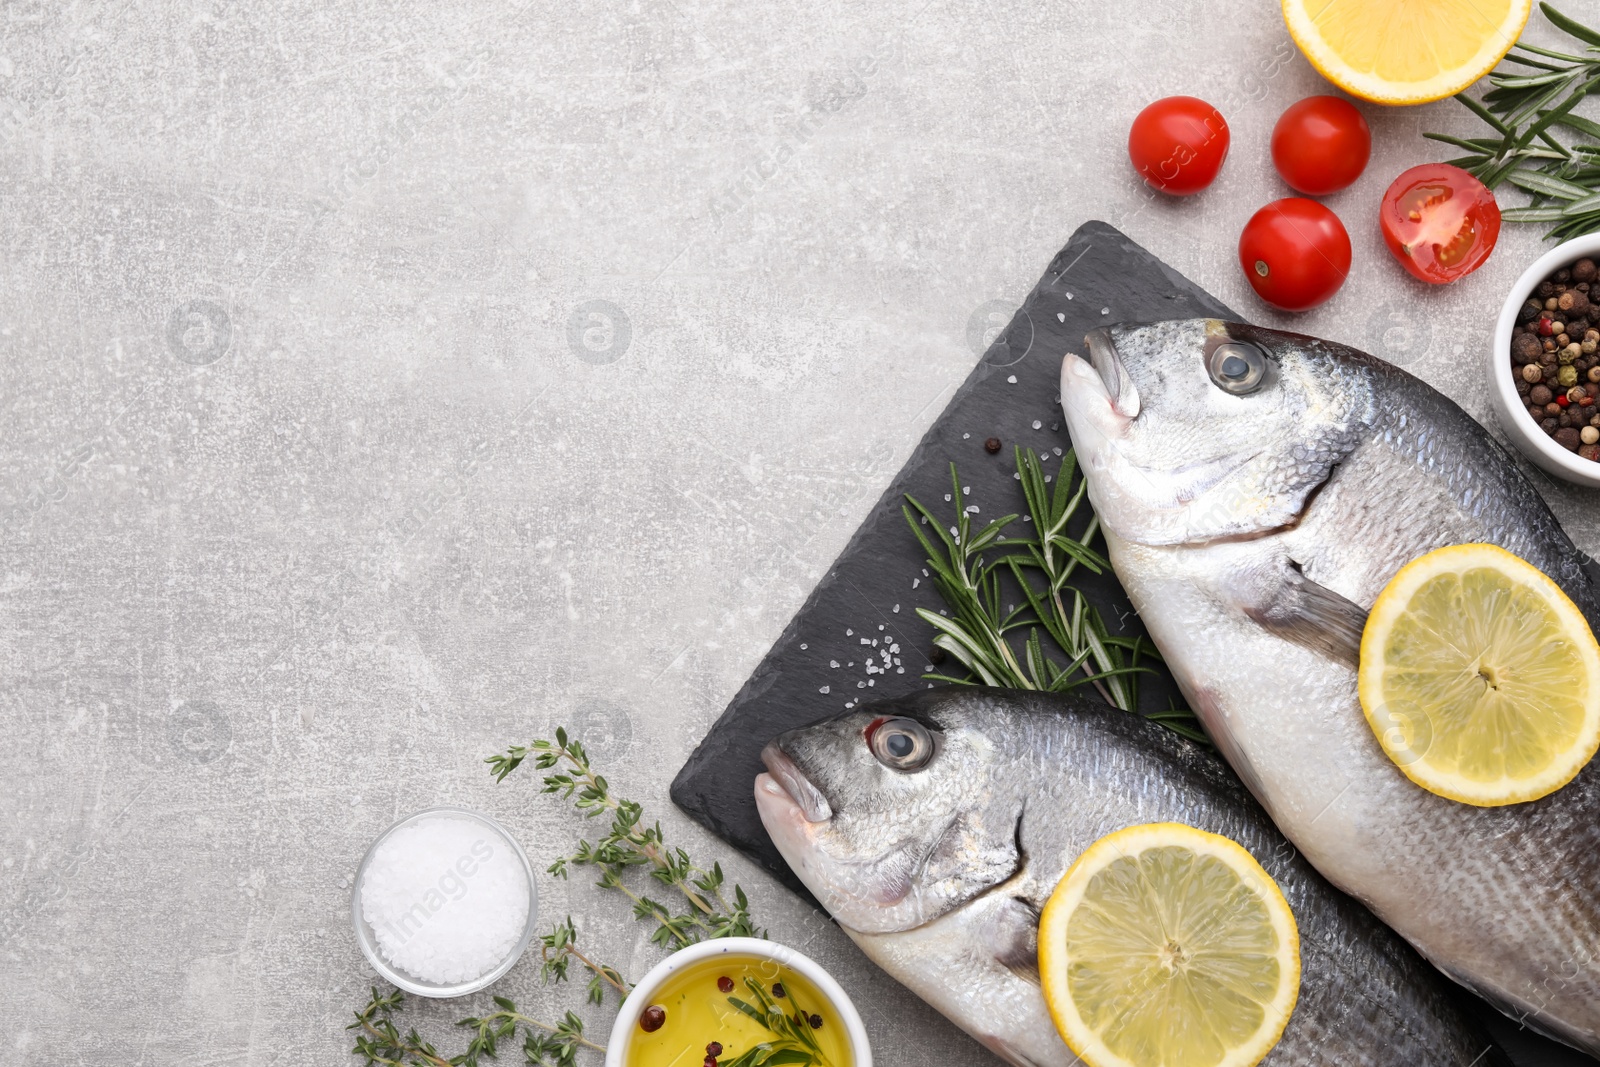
x: 368, y: 940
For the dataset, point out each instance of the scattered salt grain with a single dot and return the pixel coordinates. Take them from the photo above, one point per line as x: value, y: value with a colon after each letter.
x: 1012, y: 378
x: 824, y: 689
x: 1061, y: 316
x: 447, y: 899
x: 833, y: 663
x: 1037, y: 424
x: 802, y: 646
x: 1105, y: 311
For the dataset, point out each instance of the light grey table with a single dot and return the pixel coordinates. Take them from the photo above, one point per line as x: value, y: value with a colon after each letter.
x: 384, y: 384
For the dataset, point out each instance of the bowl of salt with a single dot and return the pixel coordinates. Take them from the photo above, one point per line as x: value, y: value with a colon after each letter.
x: 444, y: 902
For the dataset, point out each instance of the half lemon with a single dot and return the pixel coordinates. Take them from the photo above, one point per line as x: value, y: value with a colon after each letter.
x: 1166, y: 946
x: 1480, y: 678
x: 1405, y: 51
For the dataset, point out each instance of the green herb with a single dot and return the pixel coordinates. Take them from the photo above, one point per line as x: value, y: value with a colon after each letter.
x: 630, y: 844
x: 559, y: 948
x: 382, y: 1043
x: 1525, y: 107
x: 971, y: 571
x: 792, y: 1042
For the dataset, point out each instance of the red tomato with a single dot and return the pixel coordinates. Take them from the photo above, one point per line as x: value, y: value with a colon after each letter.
x: 1178, y: 143
x: 1321, y: 145
x: 1295, y: 252
x: 1440, y: 222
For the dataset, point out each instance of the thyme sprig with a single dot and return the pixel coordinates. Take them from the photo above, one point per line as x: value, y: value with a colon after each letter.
x: 792, y: 1042
x: 629, y: 843
x: 557, y: 950
x: 544, y: 1044
x: 1524, y: 107
x: 970, y: 567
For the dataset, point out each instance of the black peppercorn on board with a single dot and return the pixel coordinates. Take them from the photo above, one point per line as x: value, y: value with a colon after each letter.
x: 863, y: 611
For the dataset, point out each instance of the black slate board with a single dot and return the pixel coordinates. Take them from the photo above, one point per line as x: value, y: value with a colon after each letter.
x: 1100, y: 277
x: 875, y: 586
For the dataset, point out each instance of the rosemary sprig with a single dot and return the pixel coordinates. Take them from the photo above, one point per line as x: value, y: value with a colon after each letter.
x: 969, y: 569
x: 1524, y: 107
x: 382, y: 1044
x: 792, y: 1042
x: 628, y: 843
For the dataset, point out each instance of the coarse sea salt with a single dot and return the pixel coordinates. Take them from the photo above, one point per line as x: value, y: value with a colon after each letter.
x: 447, y: 899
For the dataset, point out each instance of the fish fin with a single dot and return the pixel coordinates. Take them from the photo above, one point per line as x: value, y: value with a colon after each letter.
x: 1521, y: 1012
x: 1012, y: 929
x: 1311, y: 615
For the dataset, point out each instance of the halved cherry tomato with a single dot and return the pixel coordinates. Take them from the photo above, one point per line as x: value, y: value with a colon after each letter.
x: 1440, y: 222
x: 1321, y: 144
x: 1178, y: 143
x: 1295, y: 252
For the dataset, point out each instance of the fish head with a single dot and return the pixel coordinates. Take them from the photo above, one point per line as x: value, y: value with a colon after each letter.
x: 1196, y: 430
x: 894, y: 815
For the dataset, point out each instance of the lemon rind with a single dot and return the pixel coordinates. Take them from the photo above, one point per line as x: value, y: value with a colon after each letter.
x: 1389, y: 607
x: 1133, y: 840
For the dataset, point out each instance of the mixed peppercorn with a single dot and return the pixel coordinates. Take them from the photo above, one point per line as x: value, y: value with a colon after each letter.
x: 1555, y: 358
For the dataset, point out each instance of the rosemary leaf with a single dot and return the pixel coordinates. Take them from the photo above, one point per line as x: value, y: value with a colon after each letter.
x: 1529, y: 105
x: 1570, y: 26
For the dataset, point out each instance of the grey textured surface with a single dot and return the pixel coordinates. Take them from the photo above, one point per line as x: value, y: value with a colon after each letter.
x: 384, y: 384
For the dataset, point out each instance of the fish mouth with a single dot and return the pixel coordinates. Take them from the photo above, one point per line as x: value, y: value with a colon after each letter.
x: 1120, y: 390
x: 792, y: 780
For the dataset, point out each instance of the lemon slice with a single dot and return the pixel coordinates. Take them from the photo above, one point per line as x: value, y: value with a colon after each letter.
x: 1480, y: 678
x: 1166, y: 946
x: 1405, y: 51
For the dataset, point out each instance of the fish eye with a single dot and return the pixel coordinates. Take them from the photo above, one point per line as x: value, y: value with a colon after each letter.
x: 1237, y: 367
x: 903, y: 745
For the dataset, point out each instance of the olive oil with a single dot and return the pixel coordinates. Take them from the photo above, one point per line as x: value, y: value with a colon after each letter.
x: 698, y: 1015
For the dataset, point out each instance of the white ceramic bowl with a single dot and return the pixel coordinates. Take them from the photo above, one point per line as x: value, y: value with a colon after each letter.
x: 368, y: 939
x: 627, y: 1024
x: 1509, y: 408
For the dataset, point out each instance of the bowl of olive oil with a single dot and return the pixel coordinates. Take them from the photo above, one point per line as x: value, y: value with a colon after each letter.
x: 738, y: 1002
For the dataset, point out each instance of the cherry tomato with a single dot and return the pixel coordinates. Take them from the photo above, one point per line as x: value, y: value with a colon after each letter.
x: 1178, y: 143
x: 1295, y: 252
x: 1440, y: 222
x: 1321, y: 145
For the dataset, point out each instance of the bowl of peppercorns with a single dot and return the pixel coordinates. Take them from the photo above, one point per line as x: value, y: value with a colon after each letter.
x: 1545, y: 364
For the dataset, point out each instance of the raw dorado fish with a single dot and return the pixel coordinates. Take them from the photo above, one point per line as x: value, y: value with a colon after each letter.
x: 939, y: 871
x: 1258, y: 490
